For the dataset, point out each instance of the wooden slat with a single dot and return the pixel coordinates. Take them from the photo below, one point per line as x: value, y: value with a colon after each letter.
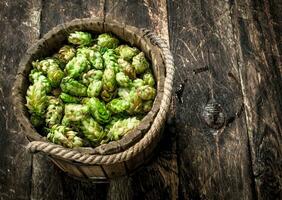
x: 212, y: 136
x: 258, y: 38
x: 114, y: 170
x: 90, y: 170
x: 19, y: 27
x: 153, y: 181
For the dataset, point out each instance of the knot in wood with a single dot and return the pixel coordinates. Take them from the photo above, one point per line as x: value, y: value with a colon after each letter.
x: 213, y: 115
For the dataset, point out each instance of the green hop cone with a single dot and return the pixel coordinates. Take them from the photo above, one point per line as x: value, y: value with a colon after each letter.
x: 66, y: 98
x: 44, y: 65
x: 123, y: 92
x: 80, y: 38
x: 107, y: 40
x: 109, y: 79
x: 92, y: 130
x: 94, y: 88
x: 66, y: 122
x: 73, y: 87
x: 118, y: 105
x: 135, y: 102
x: 75, y: 112
x: 108, y: 96
x: 55, y: 75
x: 122, y: 79
x: 37, y: 76
x: 98, y: 110
x: 122, y: 127
x: 54, y: 112
x: 36, y: 99
x: 92, y: 75
x: 148, y: 79
x: 50, y: 67
x: 62, y: 135
x: 110, y: 59
x: 77, y: 65
x: 94, y: 57
x: 137, y: 83
x: 127, y: 68
x: 126, y: 52
x: 65, y: 54
x: 140, y: 63
x: 147, y: 106
x: 36, y: 120
x: 146, y: 92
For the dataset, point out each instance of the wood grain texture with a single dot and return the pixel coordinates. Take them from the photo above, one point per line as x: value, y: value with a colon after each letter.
x: 258, y: 32
x: 20, y: 32
x: 212, y: 137
x: 158, y: 180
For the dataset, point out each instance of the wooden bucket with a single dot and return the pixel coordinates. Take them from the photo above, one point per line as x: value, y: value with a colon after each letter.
x: 117, y: 158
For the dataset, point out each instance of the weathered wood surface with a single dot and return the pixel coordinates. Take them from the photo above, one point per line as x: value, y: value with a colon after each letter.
x: 223, y: 137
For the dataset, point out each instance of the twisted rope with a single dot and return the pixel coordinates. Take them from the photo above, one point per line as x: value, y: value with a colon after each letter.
x: 154, y: 132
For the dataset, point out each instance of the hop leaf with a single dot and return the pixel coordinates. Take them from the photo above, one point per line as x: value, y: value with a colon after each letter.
x: 77, y: 65
x: 107, y: 40
x: 140, y: 63
x: 92, y: 130
x: 92, y: 75
x: 122, y: 127
x: 80, y: 38
x: 127, y: 68
x: 98, y: 110
x: 126, y: 52
x: 73, y: 87
x: 62, y: 135
x: 146, y: 92
x: 54, y: 112
x: 118, y: 105
x: 94, y: 88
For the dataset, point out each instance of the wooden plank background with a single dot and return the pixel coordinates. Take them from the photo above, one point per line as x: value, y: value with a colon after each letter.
x: 223, y: 139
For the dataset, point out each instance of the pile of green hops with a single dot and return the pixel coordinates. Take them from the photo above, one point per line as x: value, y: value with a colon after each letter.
x: 92, y: 91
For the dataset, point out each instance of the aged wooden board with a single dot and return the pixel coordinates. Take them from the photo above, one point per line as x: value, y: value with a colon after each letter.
x: 212, y: 137
x: 258, y: 33
x: 19, y: 22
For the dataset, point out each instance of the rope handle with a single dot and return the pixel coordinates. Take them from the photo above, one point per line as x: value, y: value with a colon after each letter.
x: 154, y: 131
